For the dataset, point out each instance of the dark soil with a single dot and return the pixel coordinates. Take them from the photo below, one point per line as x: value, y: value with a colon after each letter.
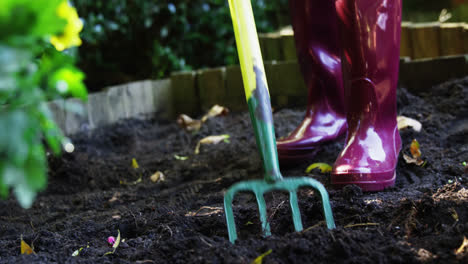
x: 92, y: 193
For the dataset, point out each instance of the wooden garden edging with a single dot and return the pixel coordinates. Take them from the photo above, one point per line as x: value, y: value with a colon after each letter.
x: 194, y: 92
x: 418, y: 41
x: 132, y: 100
x: 286, y: 85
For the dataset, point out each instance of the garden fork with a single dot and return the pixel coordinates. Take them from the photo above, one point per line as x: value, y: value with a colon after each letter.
x: 258, y: 100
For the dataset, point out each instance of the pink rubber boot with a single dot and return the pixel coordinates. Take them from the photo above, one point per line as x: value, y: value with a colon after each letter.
x: 370, y: 33
x: 317, y: 43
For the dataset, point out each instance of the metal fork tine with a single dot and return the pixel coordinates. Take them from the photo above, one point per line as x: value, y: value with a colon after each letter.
x: 260, y: 187
x: 263, y: 214
x: 231, y: 224
x: 296, y: 213
x: 326, y: 206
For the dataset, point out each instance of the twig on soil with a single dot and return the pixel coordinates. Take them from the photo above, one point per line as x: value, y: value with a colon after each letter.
x: 361, y: 224
x: 134, y: 217
x: 410, y: 224
x: 341, y: 220
x: 314, y: 226
x: 204, y: 241
x: 323, y: 222
x: 144, y: 261
x: 214, y: 210
x: 168, y: 228
x: 332, y: 236
x: 380, y: 232
x: 275, y: 210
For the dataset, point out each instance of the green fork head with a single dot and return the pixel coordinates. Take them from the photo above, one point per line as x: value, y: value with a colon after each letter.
x: 258, y: 100
x: 260, y: 187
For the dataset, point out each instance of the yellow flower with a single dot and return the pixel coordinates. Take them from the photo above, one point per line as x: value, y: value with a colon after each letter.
x: 70, y: 36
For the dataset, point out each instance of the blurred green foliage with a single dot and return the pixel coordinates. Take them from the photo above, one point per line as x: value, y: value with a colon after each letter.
x: 32, y: 71
x: 125, y: 40
x: 429, y: 10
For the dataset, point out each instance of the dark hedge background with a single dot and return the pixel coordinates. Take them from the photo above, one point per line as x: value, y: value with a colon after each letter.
x: 126, y: 40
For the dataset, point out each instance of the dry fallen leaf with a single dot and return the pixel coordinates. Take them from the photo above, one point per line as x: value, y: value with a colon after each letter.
x: 135, y: 164
x: 211, y: 140
x: 25, y: 248
x: 135, y: 182
x: 115, y: 197
x: 189, y: 124
x: 259, y: 259
x: 77, y: 252
x: 193, y: 125
x: 404, y: 122
x: 415, y: 153
x: 424, y: 255
x: 216, y: 110
x: 410, y: 160
x: 462, y: 247
x: 454, y: 213
x: 324, y: 167
x: 414, y: 149
x: 177, y: 157
x: 157, y: 176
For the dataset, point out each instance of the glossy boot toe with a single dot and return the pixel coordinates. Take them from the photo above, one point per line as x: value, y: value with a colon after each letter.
x: 369, y: 159
x: 373, y: 143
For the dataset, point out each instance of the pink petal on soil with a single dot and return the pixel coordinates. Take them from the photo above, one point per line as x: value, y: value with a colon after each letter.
x: 111, y: 240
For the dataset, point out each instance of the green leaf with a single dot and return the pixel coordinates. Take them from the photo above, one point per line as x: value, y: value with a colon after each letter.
x: 27, y: 180
x: 3, y: 190
x: 24, y: 195
x: 12, y: 175
x: 70, y: 80
x: 13, y: 144
x: 12, y: 61
x: 36, y: 18
x: 324, y: 167
x: 30, y: 73
x: 52, y: 133
x: 15, y: 177
x: 35, y: 168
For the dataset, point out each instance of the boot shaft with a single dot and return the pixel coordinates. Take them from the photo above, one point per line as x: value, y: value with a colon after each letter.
x: 315, y: 25
x: 370, y: 37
